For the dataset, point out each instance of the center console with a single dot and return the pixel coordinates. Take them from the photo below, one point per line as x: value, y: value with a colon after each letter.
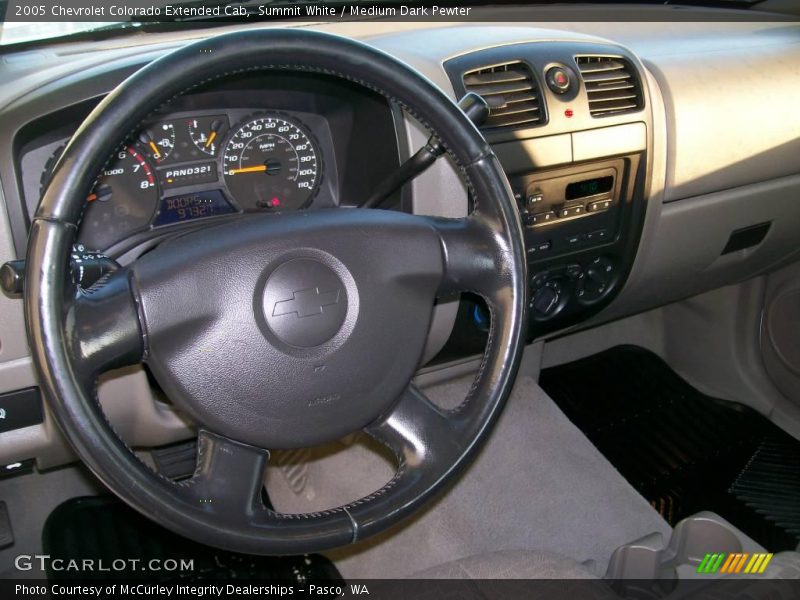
x: 577, y: 224
x: 571, y: 126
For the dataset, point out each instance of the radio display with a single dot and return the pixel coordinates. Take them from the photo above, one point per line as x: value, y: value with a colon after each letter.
x: 589, y: 187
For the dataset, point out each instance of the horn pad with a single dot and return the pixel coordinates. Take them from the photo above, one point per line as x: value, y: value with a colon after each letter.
x: 304, y: 302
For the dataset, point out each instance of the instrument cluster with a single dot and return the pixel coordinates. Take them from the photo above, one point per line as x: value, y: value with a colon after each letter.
x: 186, y: 166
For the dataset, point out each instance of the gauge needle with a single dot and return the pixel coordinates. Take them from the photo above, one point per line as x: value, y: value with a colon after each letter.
x: 156, y: 153
x: 211, y: 138
x: 256, y: 169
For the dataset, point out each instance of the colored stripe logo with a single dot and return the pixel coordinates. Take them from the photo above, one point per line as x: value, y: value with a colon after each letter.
x: 735, y: 563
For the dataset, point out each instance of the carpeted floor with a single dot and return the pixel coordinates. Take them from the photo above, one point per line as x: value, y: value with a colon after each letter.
x: 538, y: 484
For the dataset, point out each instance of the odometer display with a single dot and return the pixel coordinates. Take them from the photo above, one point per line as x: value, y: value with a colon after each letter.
x: 271, y: 163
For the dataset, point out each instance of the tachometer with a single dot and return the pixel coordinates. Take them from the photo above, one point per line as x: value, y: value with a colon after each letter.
x: 123, y: 201
x: 272, y: 163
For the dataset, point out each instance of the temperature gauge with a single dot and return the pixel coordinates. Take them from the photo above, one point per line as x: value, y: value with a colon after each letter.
x: 207, y: 133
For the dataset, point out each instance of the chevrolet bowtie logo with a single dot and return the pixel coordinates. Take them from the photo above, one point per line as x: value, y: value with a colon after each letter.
x: 306, y: 303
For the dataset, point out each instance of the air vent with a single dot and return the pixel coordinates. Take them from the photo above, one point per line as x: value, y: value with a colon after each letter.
x: 611, y: 84
x: 511, y: 93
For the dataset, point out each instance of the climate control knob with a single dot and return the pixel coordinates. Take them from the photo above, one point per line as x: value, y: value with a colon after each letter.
x: 547, y: 299
x: 597, y: 280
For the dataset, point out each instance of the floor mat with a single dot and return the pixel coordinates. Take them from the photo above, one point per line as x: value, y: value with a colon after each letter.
x: 104, y: 529
x: 682, y: 450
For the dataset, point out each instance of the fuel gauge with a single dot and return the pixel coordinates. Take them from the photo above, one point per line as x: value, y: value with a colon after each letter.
x: 207, y: 133
x: 158, y: 141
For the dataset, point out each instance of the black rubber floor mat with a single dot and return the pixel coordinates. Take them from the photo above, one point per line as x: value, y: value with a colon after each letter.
x: 101, y: 528
x: 682, y: 450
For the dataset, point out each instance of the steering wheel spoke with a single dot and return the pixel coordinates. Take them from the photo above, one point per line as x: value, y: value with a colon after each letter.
x: 102, y: 326
x: 416, y: 430
x: 482, y: 250
x: 426, y: 441
x: 474, y: 256
x: 228, y: 479
x: 226, y: 490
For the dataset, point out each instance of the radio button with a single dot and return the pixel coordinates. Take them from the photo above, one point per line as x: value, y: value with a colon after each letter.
x: 544, y: 217
x: 600, y: 205
x: 571, y: 211
x: 539, y: 248
x: 600, y: 235
x: 533, y: 199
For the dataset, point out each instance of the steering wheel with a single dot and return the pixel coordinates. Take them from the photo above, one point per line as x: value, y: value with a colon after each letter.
x: 282, y: 330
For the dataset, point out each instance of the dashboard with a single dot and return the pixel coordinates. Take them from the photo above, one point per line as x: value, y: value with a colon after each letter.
x: 579, y: 123
x: 268, y: 143
x: 262, y: 145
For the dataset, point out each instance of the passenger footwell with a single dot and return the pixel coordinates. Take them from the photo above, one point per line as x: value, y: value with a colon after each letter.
x: 682, y: 450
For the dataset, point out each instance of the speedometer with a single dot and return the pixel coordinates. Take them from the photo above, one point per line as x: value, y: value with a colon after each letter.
x: 272, y: 163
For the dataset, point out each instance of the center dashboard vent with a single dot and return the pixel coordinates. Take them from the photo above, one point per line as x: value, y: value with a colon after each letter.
x: 511, y: 92
x: 611, y: 84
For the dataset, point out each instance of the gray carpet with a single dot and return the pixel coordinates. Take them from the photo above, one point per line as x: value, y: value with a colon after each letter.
x: 508, y: 564
x: 538, y: 484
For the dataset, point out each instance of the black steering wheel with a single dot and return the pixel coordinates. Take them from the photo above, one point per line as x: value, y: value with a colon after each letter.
x: 277, y: 331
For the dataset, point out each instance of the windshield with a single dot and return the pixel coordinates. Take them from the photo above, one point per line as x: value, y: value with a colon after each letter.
x: 12, y: 32
x: 51, y: 20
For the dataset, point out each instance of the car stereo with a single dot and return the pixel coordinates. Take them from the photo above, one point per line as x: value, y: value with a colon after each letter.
x: 562, y: 213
